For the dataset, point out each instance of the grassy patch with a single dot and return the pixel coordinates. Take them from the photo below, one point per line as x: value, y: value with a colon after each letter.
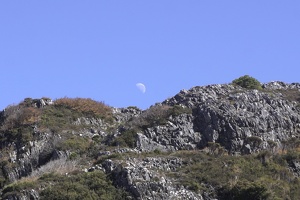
x: 74, y: 143
x: 65, y: 111
x: 80, y: 185
x: 18, y: 187
x: 238, y: 177
x: 157, y: 115
x: 291, y: 94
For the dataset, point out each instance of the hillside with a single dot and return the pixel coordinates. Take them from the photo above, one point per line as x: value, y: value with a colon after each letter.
x: 224, y: 141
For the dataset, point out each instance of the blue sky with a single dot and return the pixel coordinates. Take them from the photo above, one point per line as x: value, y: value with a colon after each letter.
x: 100, y: 49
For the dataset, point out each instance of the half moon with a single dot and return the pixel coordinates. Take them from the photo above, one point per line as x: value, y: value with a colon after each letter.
x: 141, y: 87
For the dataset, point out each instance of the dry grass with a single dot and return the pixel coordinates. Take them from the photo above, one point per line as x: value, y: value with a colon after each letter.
x: 86, y: 106
x: 61, y: 166
x: 291, y: 94
x: 17, y: 116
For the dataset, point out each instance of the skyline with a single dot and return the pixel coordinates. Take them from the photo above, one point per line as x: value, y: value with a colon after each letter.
x: 101, y: 50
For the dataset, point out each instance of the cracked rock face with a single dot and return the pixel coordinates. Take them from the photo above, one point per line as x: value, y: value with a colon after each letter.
x: 29, y: 158
x: 146, y: 179
x: 231, y: 116
x: 124, y: 114
x: 24, y: 195
x: 177, y: 134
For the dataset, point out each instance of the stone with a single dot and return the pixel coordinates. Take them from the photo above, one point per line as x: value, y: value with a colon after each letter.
x: 145, y: 179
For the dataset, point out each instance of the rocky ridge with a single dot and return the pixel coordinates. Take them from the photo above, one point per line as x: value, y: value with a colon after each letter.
x: 239, y: 121
x: 230, y: 115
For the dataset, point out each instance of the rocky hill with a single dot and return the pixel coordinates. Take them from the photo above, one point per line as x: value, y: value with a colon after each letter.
x: 223, y: 141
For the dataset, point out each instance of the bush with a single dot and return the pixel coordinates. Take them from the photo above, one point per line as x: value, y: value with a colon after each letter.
x: 74, y: 143
x: 254, y: 142
x: 157, y: 151
x: 245, y: 190
x: 215, y: 148
x: 247, y: 82
x: 16, y: 116
x: 92, y: 185
x: 57, y: 119
x: 77, y: 186
x: 155, y: 115
x: 126, y: 139
x: 158, y: 115
x: 16, y: 188
x: 17, y: 123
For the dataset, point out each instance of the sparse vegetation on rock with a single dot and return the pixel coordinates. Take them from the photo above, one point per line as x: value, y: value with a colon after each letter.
x: 247, y: 82
x: 229, y: 141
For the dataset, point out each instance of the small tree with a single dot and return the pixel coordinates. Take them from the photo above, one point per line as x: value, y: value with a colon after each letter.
x: 247, y: 82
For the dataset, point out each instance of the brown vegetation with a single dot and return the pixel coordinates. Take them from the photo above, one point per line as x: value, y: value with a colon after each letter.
x: 85, y: 106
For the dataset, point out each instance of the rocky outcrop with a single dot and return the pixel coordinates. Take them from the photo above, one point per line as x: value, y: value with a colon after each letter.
x: 279, y: 85
x: 92, y: 127
x: 30, y: 157
x: 24, y: 195
x: 39, y: 103
x: 177, y: 134
x: 243, y: 121
x: 146, y: 179
x: 122, y: 115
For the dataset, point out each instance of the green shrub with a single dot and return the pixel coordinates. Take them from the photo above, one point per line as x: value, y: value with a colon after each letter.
x: 254, y: 142
x: 74, y: 143
x: 73, y: 156
x: 16, y: 117
x: 88, y: 186
x: 126, y: 139
x: 247, y: 82
x: 19, y: 135
x: 157, y: 115
x: 291, y: 155
x: 17, y: 187
x: 157, y: 151
x: 77, y: 186
x: 58, y: 118
x: 193, y: 185
x: 71, y: 191
x: 245, y: 190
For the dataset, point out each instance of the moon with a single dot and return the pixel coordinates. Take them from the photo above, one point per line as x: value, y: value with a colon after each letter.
x: 141, y: 87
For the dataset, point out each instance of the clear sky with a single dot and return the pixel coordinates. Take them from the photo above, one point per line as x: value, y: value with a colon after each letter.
x: 100, y: 49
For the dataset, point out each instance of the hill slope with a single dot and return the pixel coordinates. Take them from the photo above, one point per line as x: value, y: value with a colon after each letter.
x: 211, y: 142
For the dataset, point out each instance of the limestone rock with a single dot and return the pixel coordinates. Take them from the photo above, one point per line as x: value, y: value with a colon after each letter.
x: 145, y: 178
x: 232, y: 116
x: 177, y: 134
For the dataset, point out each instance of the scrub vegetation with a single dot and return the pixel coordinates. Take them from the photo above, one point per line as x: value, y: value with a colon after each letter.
x: 247, y: 82
x: 80, y: 185
x: 158, y: 115
x: 261, y: 175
